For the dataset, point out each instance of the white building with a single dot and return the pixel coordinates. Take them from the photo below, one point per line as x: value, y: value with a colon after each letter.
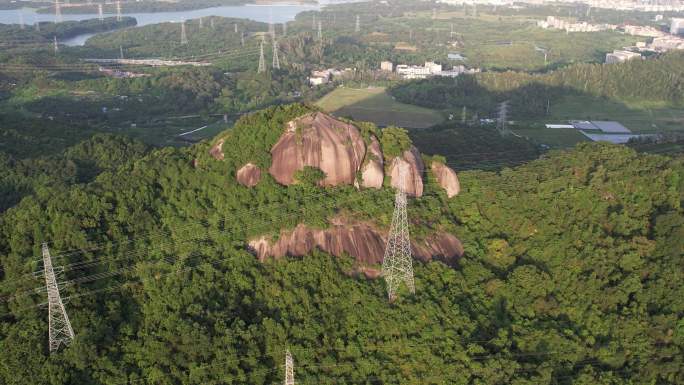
x: 387, y: 66
x: 677, y: 26
x: 412, y: 72
x: 621, y: 56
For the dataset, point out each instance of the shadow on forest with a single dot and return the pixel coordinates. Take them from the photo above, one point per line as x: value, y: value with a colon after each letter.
x: 478, y: 145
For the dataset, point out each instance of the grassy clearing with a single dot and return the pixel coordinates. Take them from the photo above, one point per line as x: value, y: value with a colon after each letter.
x: 375, y: 105
x: 640, y: 118
x: 552, y: 137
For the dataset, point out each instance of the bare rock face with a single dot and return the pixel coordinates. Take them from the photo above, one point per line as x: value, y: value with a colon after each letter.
x: 249, y: 175
x: 373, y: 173
x: 447, y: 178
x: 217, y: 150
x: 412, y: 164
x: 360, y: 240
x: 320, y: 141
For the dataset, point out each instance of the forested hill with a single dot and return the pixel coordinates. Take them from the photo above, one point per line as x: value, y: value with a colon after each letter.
x: 529, y: 93
x: 572, y: 274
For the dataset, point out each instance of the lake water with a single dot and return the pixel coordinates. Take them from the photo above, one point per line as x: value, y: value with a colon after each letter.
x: 278, y: 13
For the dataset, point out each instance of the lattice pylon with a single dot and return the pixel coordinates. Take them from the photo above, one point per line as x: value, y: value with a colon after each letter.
x: 59, y: 328
x: 58, y: 12
x: 118, y: 11
x: 262, y: 60
x: 276, y: 59
x: 397, y: 264
x: 289, y: 369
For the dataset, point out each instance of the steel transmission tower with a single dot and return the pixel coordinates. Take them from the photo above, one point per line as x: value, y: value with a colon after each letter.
x: 100, y: 12
x: 285, y: 28
x: 262, y: 61
x: 58, y: 12
x: 59, y: 327
x: 276, y: 59
x: 357, y: 28
x: 56, y: 45
x: 503, y: 117
x: 289, y: 369
x: 184, y: 36
x: 21, y: 19
x: 320, y: 31
x: 118, y: 10
x: 397, y: 266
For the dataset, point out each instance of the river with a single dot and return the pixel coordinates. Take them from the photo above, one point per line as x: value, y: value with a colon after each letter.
x: 278, y: 13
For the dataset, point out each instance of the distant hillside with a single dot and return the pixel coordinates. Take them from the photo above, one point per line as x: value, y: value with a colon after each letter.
x: 658, y: 79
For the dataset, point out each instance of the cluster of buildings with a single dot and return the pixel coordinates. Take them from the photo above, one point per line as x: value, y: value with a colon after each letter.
x: 553, y: 22
x: 319, y: 77
x: 425, y: 71
x: 639, y: 30
x: 638, y: 5
x: 119, y: 74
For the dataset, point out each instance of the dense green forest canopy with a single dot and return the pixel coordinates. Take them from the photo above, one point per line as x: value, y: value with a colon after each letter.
x: 16, y: 37
x: 572, y: 274
x: 530, y: 94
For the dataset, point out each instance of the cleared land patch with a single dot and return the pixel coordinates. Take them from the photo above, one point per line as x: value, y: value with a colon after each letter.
x: 375, y: 105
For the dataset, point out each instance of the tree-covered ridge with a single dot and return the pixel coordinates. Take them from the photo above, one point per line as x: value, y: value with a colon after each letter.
x: 530, y: 93
x: 15, y: 36
x: 77, y: 164
x: 572, y: 274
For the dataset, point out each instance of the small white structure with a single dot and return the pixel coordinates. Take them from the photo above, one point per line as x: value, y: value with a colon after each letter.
x: 619, y: 56
x: 677, y: 26
x: 387, y: 66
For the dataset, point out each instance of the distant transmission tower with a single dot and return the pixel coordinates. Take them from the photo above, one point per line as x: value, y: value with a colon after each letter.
x: 211, y: 23
x: 56, y: 45
x: 320, y: 31
x: 58, y: 12
x: 503, y: 117
x: 464, y: 115
x: 289, y: 369
x: 262, y: 61
x: 276, y: 60
x: 397, y: 266
x: 285, y: 28
x: 21, y: 19
x: 235, y: 27
x: 184, y: 36
x: 100, y: 12
x: 242, y: 39
x: 59, y: 327
x: 118, y: 11
x: 271, y: 26
x: 313, y: 23
x: 201, y: 23
x: 357, y: 28
x: 121, y: 55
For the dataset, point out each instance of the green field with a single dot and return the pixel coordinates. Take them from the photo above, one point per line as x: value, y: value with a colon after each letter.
x: 375, y: 105
x: 638, y: 117
x: 552, y: 137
